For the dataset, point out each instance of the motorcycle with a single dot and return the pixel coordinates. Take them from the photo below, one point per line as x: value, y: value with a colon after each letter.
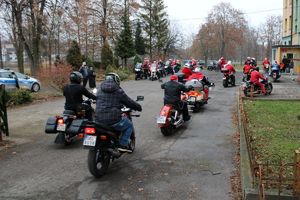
x: 69, y: 126
x: 153, y: 72
x: 138, y: 71
x: 228, y: 79
x: 169, y: 119
x: 250, y: 89
x: 275, y: 74
x: 102, y: 142
x: 195, y: 97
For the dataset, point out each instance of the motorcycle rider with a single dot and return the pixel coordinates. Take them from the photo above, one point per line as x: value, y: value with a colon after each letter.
x: 275, y: 68
x: 246, y: 72
x: 201, y: 77
x: 247, y: 61
x: 187, y: 71
x: 231, y: 71
x: 222, y: 62
x: 110, y: 99
x: 255, y: 76
x: 172, y: 96
x: 73, y: 93
x: 253, y: 62
x: 266, y: 66
x: 145, y: 67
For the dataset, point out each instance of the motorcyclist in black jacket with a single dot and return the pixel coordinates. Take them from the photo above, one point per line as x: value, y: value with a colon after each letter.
x: 110, y: 99
x: 73, y: 93
x: 172, y: 96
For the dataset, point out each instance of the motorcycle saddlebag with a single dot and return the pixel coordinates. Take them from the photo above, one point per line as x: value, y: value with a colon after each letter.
x: 76, y: 126
x: 51, y: 125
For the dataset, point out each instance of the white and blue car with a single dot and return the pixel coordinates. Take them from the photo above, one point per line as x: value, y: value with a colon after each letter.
x: 12, y: 80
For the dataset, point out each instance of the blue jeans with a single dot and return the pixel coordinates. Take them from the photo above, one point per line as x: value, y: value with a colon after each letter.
x: 125, y: 126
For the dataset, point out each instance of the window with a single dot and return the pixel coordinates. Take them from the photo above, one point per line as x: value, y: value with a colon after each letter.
x: 6, y: 75
x: 285, y: 25
x: 290, y: 23
x: 296, y: 29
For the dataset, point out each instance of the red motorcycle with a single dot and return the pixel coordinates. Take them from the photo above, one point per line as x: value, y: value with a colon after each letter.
x: 169, y: 119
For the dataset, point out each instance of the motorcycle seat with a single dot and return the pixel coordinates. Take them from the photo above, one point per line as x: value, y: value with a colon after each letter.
x: 69, y: 112
x: 106, y: 127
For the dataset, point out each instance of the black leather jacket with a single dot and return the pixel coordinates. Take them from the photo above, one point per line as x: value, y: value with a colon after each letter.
x: 173, y: 91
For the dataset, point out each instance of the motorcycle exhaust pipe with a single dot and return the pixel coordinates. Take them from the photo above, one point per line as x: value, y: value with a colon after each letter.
x: 114, y: 152
x: 178, y: 123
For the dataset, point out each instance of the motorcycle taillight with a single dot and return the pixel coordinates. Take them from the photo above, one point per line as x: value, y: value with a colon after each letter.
x: 60, y: 121
x: 90, y: 130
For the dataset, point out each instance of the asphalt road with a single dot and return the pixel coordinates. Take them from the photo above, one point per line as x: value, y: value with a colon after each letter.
x: 194, y: 163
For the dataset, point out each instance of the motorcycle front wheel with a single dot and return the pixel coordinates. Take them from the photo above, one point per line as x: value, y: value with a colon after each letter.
x: 98, y: 162
x: 225, y: 83
x: 269, y: 88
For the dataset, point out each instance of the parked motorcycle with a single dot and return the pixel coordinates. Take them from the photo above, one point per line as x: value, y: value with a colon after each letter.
x: 102, y: 142
x: 153, y: 72
x: 69, y: 126
x: 228, y: 79
x: 138, y: 71
x: 250, y: 89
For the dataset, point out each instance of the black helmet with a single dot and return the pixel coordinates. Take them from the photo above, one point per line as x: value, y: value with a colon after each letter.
x: 113, y: 76
x: 76, y: 77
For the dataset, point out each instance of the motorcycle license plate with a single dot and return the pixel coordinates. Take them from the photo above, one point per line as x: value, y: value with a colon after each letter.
x: 89, y: 140
x: 161, y: 119
x: 61, y: 127
x: 192, y: 99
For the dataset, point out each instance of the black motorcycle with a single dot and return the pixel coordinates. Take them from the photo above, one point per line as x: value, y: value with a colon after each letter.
x: 228, y: 79
x: 275, y: 74
x: 251, y: 89
x: 103, y: 141
x: 69, y: 126
x: 138, y: 71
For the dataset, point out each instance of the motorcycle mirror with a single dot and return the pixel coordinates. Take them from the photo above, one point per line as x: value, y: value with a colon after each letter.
x: 140, y: 98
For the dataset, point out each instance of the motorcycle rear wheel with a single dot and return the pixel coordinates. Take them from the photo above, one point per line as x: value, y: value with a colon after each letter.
x: 225, y: 83
x: 98, y: 162
x: 132, y: 143
x: 166, y: 131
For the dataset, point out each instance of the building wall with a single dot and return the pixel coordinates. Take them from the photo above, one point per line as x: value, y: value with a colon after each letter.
x: 286, y: 17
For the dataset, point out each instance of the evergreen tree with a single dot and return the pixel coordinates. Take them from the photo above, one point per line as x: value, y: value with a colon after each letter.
x: 106, y: 55
x: 124, y: 45
x: 139, y: 40
x: 155, y: 22
x: 74, y: 56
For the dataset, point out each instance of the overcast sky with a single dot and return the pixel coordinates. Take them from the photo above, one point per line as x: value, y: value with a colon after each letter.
x: 190, y: 14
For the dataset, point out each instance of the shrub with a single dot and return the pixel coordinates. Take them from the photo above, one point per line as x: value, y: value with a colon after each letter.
x: 106, y: 55
x: 123, y: 72
x: 89, y: 62
x: 74, y: 56
x: 18, y: 97
x: 55, y: 76
x: 137, y: 59
x: 97, y: 64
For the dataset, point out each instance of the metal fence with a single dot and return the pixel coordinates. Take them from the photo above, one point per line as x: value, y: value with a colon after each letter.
x: 277, y: 178
x: 3, y: 113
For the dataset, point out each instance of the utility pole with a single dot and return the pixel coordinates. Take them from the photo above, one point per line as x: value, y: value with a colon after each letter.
x: 292, y: 19
x: 1, y: 60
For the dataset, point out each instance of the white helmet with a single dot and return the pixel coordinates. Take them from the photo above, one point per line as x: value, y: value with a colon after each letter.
x: 186, y: 65
x: 197, y: 69
x: 229, y: 62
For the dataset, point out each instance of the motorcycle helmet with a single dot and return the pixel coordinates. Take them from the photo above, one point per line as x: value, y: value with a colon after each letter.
x: 229, y: 62
x: 113, y: 76
x: 75, y: 77
x: 173, y: 78
x: 186, y: 65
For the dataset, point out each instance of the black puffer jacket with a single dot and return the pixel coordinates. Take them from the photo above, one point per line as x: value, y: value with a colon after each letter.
x: 110, y: 100
x: 173, y: 91
x: 73, y: 93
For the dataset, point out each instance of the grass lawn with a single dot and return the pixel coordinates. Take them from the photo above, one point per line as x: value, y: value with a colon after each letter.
x: 275, y: 128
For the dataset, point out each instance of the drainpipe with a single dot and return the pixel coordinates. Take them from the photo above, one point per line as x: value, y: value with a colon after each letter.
x: 292, y: 17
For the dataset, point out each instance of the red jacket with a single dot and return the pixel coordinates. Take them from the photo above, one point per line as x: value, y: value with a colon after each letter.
x: 255, y: 76
x: 187, y: 72
x: 247, y: 68
x: 230, y: 68
x: 196, y: 75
